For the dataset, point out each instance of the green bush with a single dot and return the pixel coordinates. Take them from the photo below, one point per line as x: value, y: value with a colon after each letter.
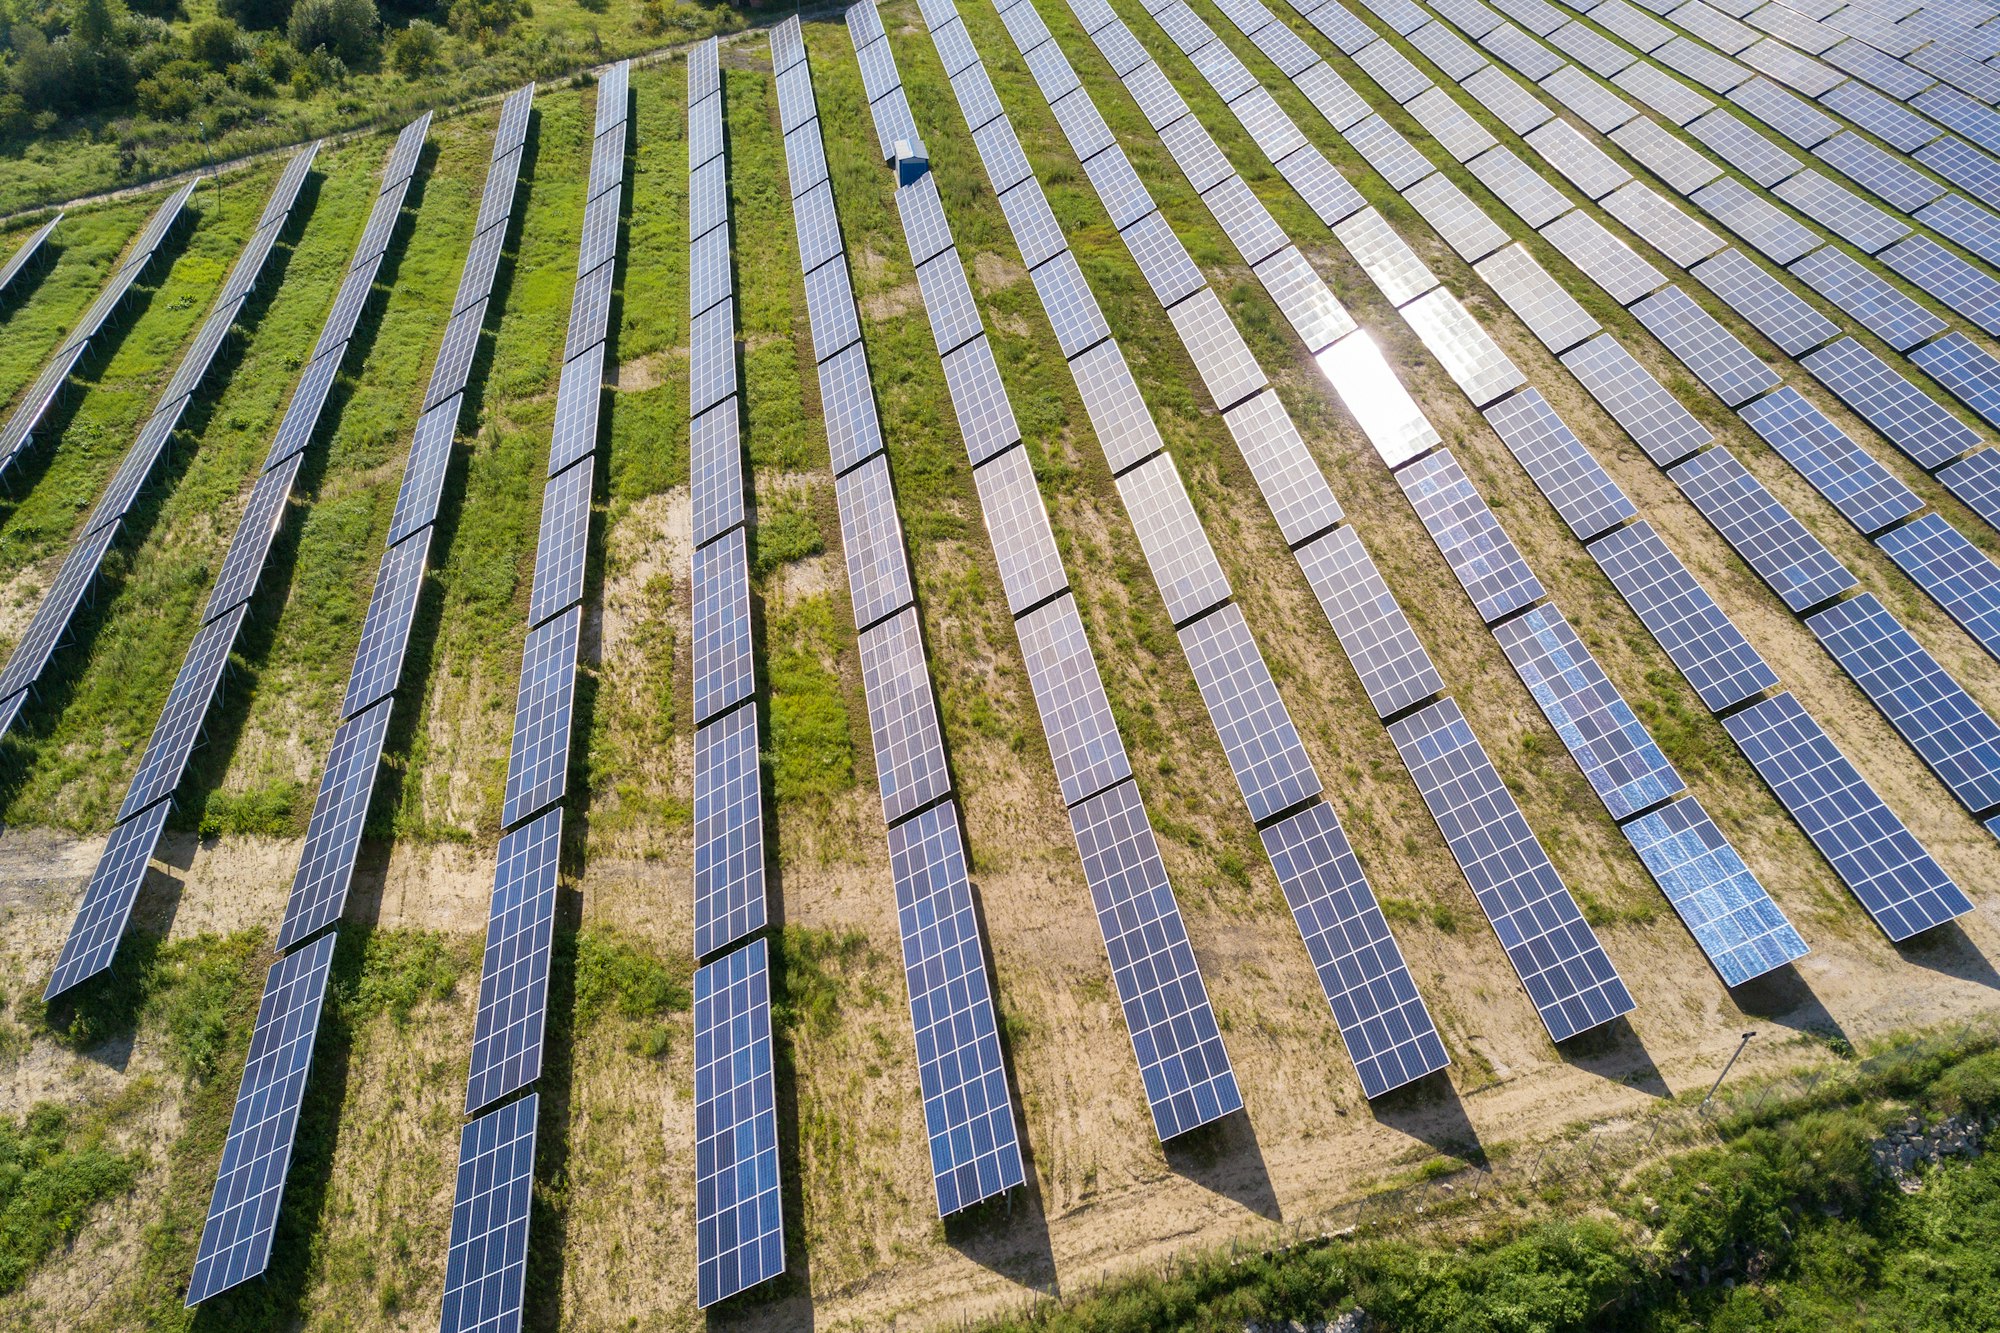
x: 49, y: 1184
x: 216, y: 42
x: 343, y: 28
x: 258, y: 15
x: 414, y: 51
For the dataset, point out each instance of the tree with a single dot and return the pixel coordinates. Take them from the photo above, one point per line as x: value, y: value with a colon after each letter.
x: 414, y: 51
x: 217, y: 43
x: 257, y: 15
x: 344, y: 28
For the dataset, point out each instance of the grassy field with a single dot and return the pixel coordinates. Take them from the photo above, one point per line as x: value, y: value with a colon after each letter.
x: 114, y: 1109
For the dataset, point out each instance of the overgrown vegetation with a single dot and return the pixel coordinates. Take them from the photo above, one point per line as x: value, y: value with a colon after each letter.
x: 1785, y: 1224
x: 51, y: 1176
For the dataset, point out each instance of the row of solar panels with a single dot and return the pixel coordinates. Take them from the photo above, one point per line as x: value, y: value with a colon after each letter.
x: 1915, y: 423
x: 237, y: 1236
x: 26, y: 254
x: 739, y: 1224
x: 1183, y: 1065
x: 1896, y: 881
x: 486, y: 1263
x: 1388, y: 1031
x: 1732, y: 917
x: 968, y: 1111
x: 1964, y: 747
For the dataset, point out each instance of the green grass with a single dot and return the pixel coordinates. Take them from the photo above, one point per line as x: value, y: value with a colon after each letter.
x: 51, y: 1176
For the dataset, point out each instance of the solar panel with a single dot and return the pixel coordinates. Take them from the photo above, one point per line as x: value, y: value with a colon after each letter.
x: 1956, y: 282
x: 1743, y: 148
x: 1767, y: 230
x: 496, y: 204
x: 1245, y: 220
x: 1467, y: 352
x: 1841, y: 211
x: 1593, y: 50
x: 1118, y: 415
x: 1887, y: 120
x: 1280, y: 45
x: 1018, y: 527
x: 715, y: 471
x: 1871, y: 300
x: 1968, y: 371
x: 1481, y: 555
x: 1331, y: 95
x: 1392, y: 71
x: 829, y: 311
x: 1786, y: 112
x: 788, y: 46
x: 1574, y: 482
x: 1910, y: 419
x: 1714, y: 27
x: 1679, y: 166
x: 201, y: 353
x: 1462, y: 224
x: 1524, y: 53
x: 333, y: 835
x: 739, y: 1225
x: 1384, y: 651
x: 559, y: 552
x: 1382, y: 1019
x: 107, y: 900
x: 1654, y: 419
x: 29, y: 248
x: 1303, y: 297
x: 1256, y: 730
x: 976, y: 98
x: 1883, y: 174
x: 712, y: 350
x: 1586, y: 165
x: 1182, y: 1062
x: 1886, y: 868
x: 1950, y: 732
x: 1451, y: 125
x: 513, y: 128
x: 1682, y: 617
x: 1388, y: 152
x: 1452, y: 54
x: 853, y: 432
x: 514, y: 977
x: 1959, y: 219
x: 175, y: 734
x: 1967, y: 115
x: 728, y: 832
x: 255, y: 531
x: 1121, y: 49
x: 1771, y: 541
x: 538, y: 764
x: 235, y: 1240
x: 424, y: 468
x: 1036, y: 232
x: 136, y: 468
x: 1395, y: 426
x: 1118, y: 186
x: 1886, y: 72
x: 1964, y: 166
x: 1385, y: 256
x: 1779, y: 313
x: 1866, y: 493
x: 1716, y: 356
x: 975, y: 1152
x: 1219, y: 353
x: 486, y: 1272
x: 1603, y: 258
x: 1195, y: 153
x: 1730, y: 915
x: 1961, y: 577
x: 1538, y: 300
x: 1715, y: 72
x: 1072, y: 310
x: 355, y: 289
x: 454, y: 359
x: 1568, y: 978
x: 1214, y: 61
x: 877, y: 573
x: 978, y: 398
x: 909, y: 753
x: 1599, y: 107
x: 1519, y: 186
x: 948, y: 301
x: 578, y: 395
x: 722, y: 662
x: 385, y: 632
x: 1662, y: 92
x: 1595, y: 724
x: 1076, y: 716
x: 1474, y: 17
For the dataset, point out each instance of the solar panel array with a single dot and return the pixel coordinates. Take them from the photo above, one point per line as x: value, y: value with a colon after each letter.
x: 1683, y: 616
x: 1364, y: 615
x: 107, y: 900
x: 27, y: 253
x: 968, y: 1110
x: 42, y: 392
x: 520, y: 926
x: 256, y: 1155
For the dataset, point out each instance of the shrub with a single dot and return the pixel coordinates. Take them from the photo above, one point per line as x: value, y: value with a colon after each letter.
x: 321, y: 69
x: 168, y: 95
x: 344, y: 29
x: 415, y: 50
x: 258, y: 15
x: 217, y: 43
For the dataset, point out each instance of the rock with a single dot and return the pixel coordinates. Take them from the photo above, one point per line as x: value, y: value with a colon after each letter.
x: 1354, y: 1321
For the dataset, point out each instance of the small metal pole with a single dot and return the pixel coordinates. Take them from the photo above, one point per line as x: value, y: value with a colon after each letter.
x: 1703, y: 1108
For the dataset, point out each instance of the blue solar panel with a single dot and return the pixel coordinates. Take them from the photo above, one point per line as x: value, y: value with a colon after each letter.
x: 1682, y: 617
x: 1911, y: 420
x: 424, y: 469
x: 1382, y: 1019
x: 514, y: 976
x: 1716, y: 356
x: 1869, y: 495
x: 1480, y: 553
x: 1949, y: 731
x: 1069, y: 694
x: 250, y: 1184
x: 1653, y: 417
x: 1561, y: 468
x: 1885, y: 867
x: 1568, y: 978
x: 739, y: 1224
x: 486, y: 1272
x: 1174, y: 1034
x: 179, y: 727
x: 1770, y: 539
x: 1256, y: 730
x: 902, y: 715
x: 728, y: 832
x: 722, y: 659
x: 1967, y: 370
x: 538, y: 764
x: 1868, y: 297
x: 975, y: 1151
x: 333, y: 835
x: 1975, y: 479
x: 1963, y: 579
x: 1723, y: 906
x: 36, y: 644
x: 107, y: 900
x: 1384, y: 651
x: 1778, y: 312
x: 1598, y: 728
